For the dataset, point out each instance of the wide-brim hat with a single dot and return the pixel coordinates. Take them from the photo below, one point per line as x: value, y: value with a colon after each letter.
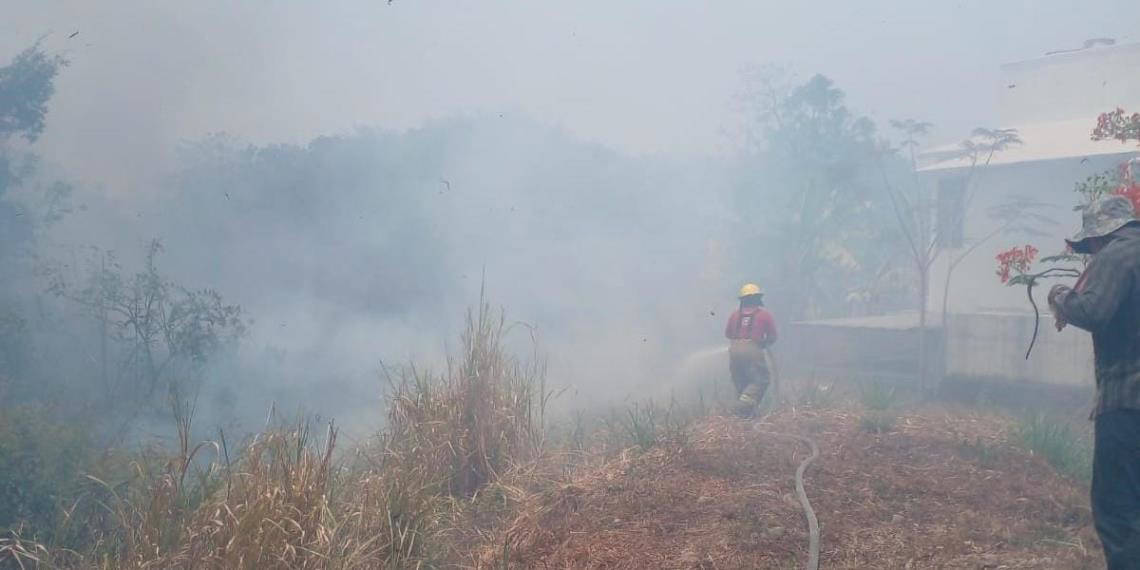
x: 1100, y: 218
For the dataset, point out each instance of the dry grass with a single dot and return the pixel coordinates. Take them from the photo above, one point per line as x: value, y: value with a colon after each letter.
x: 462, y: 476
x: 289, y: 499
x: 916, y: 497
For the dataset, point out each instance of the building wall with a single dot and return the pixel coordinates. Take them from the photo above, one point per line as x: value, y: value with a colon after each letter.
x: 1070, y: 85
x: 974, y: 285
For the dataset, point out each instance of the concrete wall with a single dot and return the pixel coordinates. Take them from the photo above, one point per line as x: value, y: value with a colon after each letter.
x: 992, y: 347
x: 824, y: 351
x: 981, y: 346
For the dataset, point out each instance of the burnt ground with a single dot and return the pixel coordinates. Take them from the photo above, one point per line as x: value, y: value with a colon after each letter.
x: 940, y: 490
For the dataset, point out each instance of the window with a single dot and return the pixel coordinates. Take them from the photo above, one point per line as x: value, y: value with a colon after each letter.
x: 951, y: 212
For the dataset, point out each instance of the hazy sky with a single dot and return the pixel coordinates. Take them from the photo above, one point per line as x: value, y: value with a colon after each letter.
x: 643, y: 76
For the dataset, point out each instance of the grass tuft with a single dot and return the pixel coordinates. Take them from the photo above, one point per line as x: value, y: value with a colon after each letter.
x: 878, y: 396
x: 1067, y: 450
x: 877, y: 422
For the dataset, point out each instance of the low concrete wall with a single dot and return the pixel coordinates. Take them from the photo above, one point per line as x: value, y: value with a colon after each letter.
x: 992, y: 347
x: 987, y: 347
x: 820, y: 350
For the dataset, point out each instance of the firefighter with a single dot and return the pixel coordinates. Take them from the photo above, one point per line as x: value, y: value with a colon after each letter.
x: 750, y: 330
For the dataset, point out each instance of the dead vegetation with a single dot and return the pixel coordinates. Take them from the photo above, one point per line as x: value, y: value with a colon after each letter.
x: 915, y: 497
x: 289, y: 499
x: 465, y: 475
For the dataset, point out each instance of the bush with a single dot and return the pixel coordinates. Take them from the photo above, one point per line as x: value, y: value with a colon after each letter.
x: 877, y: 422
x: 647, y: 424
x: 878, y: 396
x: 40, y: 464
x: 1068, y: 451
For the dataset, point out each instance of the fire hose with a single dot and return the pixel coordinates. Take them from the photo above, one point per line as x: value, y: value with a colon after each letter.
x: 801, y: 494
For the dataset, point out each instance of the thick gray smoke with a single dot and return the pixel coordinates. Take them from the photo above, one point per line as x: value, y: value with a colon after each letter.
x: 375, y: 159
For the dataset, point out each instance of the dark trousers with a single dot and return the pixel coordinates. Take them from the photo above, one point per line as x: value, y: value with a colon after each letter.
x: 1116, y: 487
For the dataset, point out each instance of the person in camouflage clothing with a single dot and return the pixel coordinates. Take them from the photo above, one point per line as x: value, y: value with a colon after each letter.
x: 1106, y: 302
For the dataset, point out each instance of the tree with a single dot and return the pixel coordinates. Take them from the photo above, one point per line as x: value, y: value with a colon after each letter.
x: 162, y: 333
x: 916, y: 212
x: 1019, y: 214
x: 813, y: 212
x: 26, y: 86
x: 27, y: 83
x: 915, y: 218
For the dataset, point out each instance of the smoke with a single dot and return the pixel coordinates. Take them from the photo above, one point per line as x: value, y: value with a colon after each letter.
x: 380, y: 159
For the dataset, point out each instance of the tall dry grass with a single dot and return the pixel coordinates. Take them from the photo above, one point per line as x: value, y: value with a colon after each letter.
x: 480, y: 418
x: 290, y: 499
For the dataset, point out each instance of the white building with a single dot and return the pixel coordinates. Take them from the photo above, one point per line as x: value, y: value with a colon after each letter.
x: 1053, y: 103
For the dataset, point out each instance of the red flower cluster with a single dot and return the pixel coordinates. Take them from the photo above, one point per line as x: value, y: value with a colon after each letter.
x: 1116, y: 125
x: 1015, y: 259
x: 1129, y: 186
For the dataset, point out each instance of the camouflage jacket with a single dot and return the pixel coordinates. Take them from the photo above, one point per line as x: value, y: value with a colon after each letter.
x: 1106, y: 302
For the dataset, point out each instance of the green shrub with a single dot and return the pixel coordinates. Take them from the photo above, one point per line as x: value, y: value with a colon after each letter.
x: 647, y: 424
x: 878, y: 396
x: 1067, y: 450
x: 40, y: 463
x: 812, y: 394
x: 877, y: 422
x: 978, y: 450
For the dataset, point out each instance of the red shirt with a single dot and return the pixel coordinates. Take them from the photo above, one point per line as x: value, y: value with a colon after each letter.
x: 751, y: 323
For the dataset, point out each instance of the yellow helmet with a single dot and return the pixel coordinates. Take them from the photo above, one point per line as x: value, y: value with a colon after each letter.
x: 750, y: 289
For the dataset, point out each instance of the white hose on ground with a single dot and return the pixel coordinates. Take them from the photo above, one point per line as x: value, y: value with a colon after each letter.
x: 801, y: 494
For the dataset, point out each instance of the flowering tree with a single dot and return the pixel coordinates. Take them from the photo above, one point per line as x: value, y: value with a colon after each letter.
x: 1117, y: 125
x: 1014, y: 264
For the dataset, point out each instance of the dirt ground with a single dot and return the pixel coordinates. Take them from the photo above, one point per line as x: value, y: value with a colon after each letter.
x: 940, y: 490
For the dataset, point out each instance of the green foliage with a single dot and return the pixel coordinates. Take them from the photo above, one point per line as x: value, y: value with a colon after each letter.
x: 878, y: 396
x: 877, y: 422
x: 1068, y: 451
x: 1096, y: 186
x: 826, y: 228
x: 26, y: 86
x: 647, y: 425
x: 162, y: 332
x: 41, y: 458
x: 1063, y: 258
x: 14, y: 345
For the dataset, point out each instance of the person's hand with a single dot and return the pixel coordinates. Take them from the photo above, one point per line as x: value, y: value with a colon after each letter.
x: 1054, y: 293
